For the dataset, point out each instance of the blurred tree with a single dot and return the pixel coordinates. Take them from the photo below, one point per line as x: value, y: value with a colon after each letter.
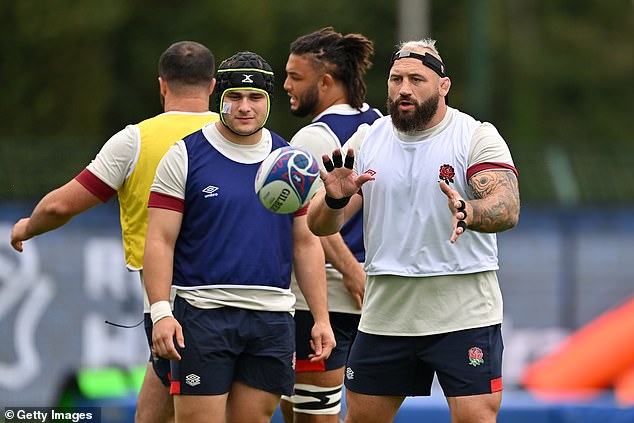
x: 555, y: 73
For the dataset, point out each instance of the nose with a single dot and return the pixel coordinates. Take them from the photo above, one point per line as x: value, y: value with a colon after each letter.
x: 287, y: 84
x: 405, y: 88
x: 244, y: 104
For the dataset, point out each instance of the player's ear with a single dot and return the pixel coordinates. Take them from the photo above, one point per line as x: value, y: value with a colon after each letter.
x: 211, y: 87
x: 162, y: 86
x: 445, y: 85
x: 326, y: 81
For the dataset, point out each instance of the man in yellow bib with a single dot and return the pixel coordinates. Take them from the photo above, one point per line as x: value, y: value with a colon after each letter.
x: 125, y: 166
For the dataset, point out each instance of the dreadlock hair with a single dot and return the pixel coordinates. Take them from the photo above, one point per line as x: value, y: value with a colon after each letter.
x: 345, y: 57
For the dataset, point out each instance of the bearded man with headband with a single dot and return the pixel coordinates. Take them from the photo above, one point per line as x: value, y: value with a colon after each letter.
x: 436, y: 186
x: 229, y: 260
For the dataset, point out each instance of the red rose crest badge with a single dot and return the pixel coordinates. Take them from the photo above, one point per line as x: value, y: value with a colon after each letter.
x: 446, y: 173
x: 476, y: 356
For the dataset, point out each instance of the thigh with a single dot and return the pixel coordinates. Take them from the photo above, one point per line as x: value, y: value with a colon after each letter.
x: 154, y: 403
x: 200, y: 408
x: 344, y: 326
x: 475, y: 408
x: 386, y: 365
x: 371, y: 408
x: 467, y: 362
x: 248, y: 404
x: 268, y: 357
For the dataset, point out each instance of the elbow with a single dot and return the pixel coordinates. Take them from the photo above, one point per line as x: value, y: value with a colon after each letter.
x: 512, y: 219
x: 316, y: 228
x: 59, y: 210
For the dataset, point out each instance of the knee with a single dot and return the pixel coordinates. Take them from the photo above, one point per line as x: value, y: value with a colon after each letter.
x: 317, y: 400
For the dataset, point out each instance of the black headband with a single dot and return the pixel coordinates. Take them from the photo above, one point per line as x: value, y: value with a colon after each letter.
x: 245, y: 78
x: 428, y: 60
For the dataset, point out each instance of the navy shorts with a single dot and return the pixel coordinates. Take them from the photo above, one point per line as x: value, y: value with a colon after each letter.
x: 227, y: 344
x: 466, y: 362
x: 160, y: 365
x: 344, y: 326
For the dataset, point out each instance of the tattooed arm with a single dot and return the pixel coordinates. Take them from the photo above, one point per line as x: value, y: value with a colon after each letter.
x: 496, y: 206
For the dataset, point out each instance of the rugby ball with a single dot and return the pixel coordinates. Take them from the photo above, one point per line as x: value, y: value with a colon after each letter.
x: 285, y: 181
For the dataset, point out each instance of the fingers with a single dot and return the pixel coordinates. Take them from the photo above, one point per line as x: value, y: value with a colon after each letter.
x: 164, y: 333
x: 17, y: 246
x: 180, y: 339
x: 446, y: 189
x: 458, y: 207
x: 349, y: 163
x: 358, y: 299
x: 337, y: 160
x: 328, y: 163
x: 315, y: 345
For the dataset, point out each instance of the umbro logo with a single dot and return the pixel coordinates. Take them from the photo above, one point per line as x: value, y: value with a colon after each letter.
x: 248, y: 79
x: 210, y: 191
x: 192, y: 379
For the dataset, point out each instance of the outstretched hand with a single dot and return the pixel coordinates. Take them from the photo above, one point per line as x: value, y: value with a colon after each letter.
x: 460, y: 210
x: 340, y: 180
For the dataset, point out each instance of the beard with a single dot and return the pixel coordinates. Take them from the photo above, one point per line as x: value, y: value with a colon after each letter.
x: 307, y: 103
x: 414, y: 121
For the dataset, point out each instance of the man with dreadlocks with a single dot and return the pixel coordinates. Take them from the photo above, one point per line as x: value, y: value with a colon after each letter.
x: 324, y: 80
x: 231, y: 334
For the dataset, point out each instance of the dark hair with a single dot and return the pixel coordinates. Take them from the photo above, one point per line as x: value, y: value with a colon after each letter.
x: 187, y: 63
x: 345, y: 57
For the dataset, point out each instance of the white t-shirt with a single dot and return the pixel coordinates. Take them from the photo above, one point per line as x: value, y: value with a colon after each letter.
x: 413, y: 303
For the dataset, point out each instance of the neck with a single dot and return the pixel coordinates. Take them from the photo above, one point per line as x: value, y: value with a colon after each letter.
x: 238, y: 139
x: 186, y: 104
x: 332, y: 98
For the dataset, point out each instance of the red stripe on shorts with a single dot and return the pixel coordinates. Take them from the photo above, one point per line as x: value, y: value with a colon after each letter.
x: 175, y: 388
x: 496, y: 384
x: 309, y: 366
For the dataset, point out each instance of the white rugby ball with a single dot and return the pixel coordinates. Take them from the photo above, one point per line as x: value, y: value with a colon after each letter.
x: 285, y: 181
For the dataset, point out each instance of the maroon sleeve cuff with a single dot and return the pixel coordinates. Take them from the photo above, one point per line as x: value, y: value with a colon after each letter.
x: 163, y: 201
x: 302, y: 211
x: 95, y: 185
x: 489, y: 166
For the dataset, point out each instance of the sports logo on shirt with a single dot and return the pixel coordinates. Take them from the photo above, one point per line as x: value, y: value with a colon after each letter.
x: 210, y: 191
x: 446, y: 173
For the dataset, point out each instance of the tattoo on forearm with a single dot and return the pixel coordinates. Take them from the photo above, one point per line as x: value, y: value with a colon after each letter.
x: 497, y: 203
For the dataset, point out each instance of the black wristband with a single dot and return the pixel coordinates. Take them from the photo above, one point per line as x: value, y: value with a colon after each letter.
x: 336, y: 203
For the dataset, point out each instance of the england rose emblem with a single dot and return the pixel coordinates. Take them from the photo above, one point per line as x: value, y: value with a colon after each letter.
x: 446, y: 173
x: 476, y: 356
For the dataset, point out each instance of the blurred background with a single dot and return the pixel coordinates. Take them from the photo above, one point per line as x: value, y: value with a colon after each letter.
x: 555, y: 77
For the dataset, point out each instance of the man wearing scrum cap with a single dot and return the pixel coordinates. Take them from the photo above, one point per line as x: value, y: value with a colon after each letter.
x: 231, y: 334
x: 436, y: 186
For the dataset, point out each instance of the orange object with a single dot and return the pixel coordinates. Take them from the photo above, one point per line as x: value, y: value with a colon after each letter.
x: 624, y: 388
x: 590, y: 360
